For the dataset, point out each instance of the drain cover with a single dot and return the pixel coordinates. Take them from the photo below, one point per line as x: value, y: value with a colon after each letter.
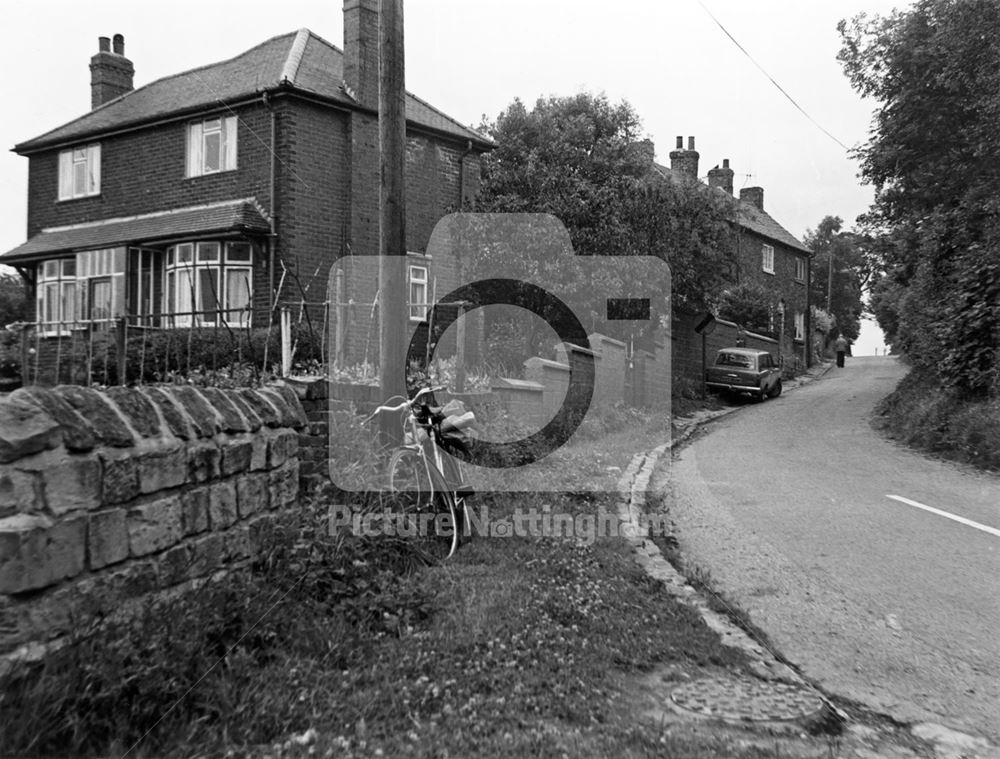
x: 747, y: 700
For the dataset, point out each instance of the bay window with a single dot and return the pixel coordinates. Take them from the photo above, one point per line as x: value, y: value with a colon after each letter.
x: 208, y: 281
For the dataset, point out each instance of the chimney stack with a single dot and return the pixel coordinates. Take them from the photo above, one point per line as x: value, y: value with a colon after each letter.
x: 111, y: 72
x: 361, y: 50
x: 685, y: 161
x: 722, y: 178
x: 754, y: 196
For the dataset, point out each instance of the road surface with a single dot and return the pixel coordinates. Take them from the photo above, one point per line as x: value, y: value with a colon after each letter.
x: 891, y: 601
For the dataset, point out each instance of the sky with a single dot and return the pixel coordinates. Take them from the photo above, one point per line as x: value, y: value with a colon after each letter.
x: 471, y: 58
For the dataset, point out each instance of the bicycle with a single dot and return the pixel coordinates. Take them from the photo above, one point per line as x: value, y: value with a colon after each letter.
x: 425, y: 478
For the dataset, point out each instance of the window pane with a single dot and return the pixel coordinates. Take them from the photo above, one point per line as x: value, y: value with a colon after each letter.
x: 238, y: 251
x: 184, y: 253
x: 68, y: 301
x: 208, y: 293
x: 184, y: 285
x: 100, y: 299
x: 79, y: 178
x: 237, y: 294
x: 208, y: 251
x: 213, y: 152
x: 51, y: 270
x: 50, y: 302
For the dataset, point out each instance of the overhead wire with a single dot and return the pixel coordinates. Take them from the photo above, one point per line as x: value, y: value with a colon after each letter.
x: 771, y: 78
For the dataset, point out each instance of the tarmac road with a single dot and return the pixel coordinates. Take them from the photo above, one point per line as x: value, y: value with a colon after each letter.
x: 878, y: 599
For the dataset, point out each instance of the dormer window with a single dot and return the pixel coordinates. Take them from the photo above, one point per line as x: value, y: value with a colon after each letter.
x: 80, y: 172
x: 211, y: 146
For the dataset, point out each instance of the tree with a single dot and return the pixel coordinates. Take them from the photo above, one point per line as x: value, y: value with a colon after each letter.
x: 581, y: 159
x: 13, y: 299
x: 749, y: 305
x: 932, y: 158
x: 840, y: 271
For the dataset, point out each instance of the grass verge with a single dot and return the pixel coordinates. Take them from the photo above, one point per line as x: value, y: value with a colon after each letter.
x: 921, y: 414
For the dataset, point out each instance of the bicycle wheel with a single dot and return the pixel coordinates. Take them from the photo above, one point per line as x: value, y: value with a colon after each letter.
x: 423, y: 507
x: 455, y: 477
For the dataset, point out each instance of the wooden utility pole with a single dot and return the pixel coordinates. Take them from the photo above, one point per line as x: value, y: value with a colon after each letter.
x: 392, y: 207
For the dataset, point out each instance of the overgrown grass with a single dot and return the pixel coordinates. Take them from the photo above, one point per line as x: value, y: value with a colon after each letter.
x: 921, y: 414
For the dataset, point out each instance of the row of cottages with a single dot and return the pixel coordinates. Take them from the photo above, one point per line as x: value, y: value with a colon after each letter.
x: 766, y: 253
x: 216, y: 193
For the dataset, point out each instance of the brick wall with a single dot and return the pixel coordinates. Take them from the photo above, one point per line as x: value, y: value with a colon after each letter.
x: 108, y: 496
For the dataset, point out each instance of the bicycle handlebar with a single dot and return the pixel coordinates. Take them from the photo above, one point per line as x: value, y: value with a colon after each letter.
x: 405, y: 404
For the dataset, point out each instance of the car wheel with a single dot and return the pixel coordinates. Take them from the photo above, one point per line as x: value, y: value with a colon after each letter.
x: 776, y: 390
x: 761, y: 395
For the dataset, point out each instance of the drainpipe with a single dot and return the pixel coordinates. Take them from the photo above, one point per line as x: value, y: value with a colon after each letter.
x: 461, y: 176
x: 272, y: 236
x: 808, y: 315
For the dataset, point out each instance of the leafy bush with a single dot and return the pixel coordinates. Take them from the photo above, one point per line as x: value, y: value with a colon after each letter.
x: 749, y: 305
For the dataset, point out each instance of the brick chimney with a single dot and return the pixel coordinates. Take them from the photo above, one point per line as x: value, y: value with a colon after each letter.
x: 754, y: 196
x: 361, y: 50
x: 685, y: 161
x: 722, y: 178
x: 110, y: 71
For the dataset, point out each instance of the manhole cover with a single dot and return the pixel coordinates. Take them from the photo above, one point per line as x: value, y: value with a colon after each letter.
x: 747, y: 700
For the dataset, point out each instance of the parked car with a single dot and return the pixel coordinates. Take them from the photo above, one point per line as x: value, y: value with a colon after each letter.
x: 742, y: 371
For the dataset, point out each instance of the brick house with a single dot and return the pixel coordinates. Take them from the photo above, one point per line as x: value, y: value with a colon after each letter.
x: 766, y: 253
x: 216, y: 193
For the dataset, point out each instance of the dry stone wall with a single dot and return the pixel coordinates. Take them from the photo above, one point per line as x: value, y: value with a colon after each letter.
x: 108, y: 496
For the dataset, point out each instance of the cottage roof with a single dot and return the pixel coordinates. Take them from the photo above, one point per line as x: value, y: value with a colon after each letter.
x: 299, y: 61
x: 241, y: 216
x: 748, y: 215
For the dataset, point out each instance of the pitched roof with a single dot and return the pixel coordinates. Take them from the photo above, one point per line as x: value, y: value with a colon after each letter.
x: 300, y: 60
x: 234, y: 215
x: 748, y: 215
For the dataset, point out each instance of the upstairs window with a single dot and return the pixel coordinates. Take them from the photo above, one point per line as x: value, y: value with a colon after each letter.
x: 80, y: 172
x: 417, y: 280
x: 211, y: 146
x: 800, y: 325
x: 767, y: 259
x: 800, y: 269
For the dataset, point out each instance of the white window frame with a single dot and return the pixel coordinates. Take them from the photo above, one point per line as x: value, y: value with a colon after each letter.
x: 56, y: 278
x: 95, y: 265
x: 200, y: 135
x: 417, y: 276
x: 800, y: 268
x: 190, y: 266
x: 80, y: 172
x: 767, y: 258
x: 800, y: 325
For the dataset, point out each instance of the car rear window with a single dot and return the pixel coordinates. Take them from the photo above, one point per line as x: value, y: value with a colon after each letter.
x: 734, y: 359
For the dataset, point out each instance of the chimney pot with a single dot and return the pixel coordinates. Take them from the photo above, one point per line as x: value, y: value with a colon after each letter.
x: 722, y: 178
x: 119, y: 44
x: 680, y: 143
x: 754, y: 196
x: 104, y: 44
x: 690, y: 143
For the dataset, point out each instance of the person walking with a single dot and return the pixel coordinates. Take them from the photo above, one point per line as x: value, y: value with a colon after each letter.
x: 840, y: 345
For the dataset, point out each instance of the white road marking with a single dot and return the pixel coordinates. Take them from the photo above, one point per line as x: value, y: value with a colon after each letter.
x: 946, y: 515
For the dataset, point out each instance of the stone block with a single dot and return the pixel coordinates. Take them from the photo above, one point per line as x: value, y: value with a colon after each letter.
x: 36, y: 552
x: 161, y: 468
x: 70, y: 481
x: 207, y: 555
x: 283, y: 446
x: 204, y: 461
x: 132, y: 580
x: 154, y: 526
x: 237, y: 543
x: 264, y: 409
x: 237, y: 454
x: 258, y: 458
x: 194, y: 511
x: 25, y: 428
x: 262, y: 529
x: 136, y: 408
x: 222, y: 511
x: 174, y: 566
x: 20, y: 492
x: 290, y: 413
x: 200, y: 411
x: 232, y: 419
x: 177, y: 421
x: 252, y: 494
x: 120, y: 479
x: 77, y: 432
x: 108, y: 425
x: 253, y: 420
x: 107, y: 538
